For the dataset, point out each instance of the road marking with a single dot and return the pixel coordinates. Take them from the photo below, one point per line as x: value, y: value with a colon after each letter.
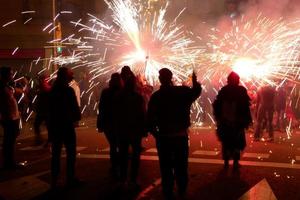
x: 144, y: 193
x: 207, y: 161
x: 152, y: 150
x: 78, y: 148
x: 42, y: 173
x: 23, y: 188
x: 93, y: 156
x: 256, y: 155
x: 32, y: 148
x: 36, y: 148
x: 261, y: 191
x: 106, y: 149
x: 206, y: 153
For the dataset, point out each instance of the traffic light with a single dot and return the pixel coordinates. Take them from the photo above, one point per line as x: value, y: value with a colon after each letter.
x: 58, y: 37
x: 59, y: 49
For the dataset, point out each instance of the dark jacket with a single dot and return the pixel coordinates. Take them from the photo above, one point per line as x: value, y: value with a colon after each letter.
x: 130, y: 114
x: 232, y: 113
x: 42, y: 102
x: 169, y: 109
x: 63, y: 107
x: 232, y: 106
x: 105, y: 119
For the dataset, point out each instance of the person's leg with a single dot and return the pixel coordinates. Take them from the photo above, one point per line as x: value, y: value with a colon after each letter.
x: 270, y: 113
x: 166, y: 159
x: 259, y: 124
x: 124, y: 145
x: 113, y: 151
x: 70, y: 145
x: 236, y: 157
x: 55, y: 160
x: 181, y: 164
x: 11, y: 131
x: 225, y: 155
x: 37, y: 131
x: 135, y: 159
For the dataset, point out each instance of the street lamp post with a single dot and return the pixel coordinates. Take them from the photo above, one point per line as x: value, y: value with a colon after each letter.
x: 54, y: 33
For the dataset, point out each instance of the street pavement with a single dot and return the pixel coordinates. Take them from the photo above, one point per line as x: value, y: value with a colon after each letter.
x: 269, y: 170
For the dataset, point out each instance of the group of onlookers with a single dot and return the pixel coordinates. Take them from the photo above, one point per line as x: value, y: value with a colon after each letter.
x: 124, y: 119
x: 128, y: 111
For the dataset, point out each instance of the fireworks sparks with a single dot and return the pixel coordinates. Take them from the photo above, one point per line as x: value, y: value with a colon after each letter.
x: 260, y: 50
x: 141, y: 39
x: 138, y: 34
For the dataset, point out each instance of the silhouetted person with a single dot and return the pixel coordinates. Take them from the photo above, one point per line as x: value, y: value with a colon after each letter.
x: 130, y: 124
x: 9, y: 117
x: 64, y: 113
x: 106, y: 119
x: 265, y: 111
x: 280, y: 107
x: 41, y: 107
x: 231, y: 109
x: 168, y: 120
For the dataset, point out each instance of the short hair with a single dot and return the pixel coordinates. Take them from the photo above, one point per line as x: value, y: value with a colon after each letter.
x: 115, y: 80
x: 165, y: 76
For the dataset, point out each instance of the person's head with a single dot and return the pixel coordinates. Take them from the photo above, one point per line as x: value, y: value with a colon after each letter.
x: 165, y: 76
x: 126, y: 73
x: 115, y: 81
x: 64, y: 75
x: 6, y: 74
x: 233, y: 79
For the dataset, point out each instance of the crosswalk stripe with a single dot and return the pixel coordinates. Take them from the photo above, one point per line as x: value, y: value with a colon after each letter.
x: 206, y: 153
x: 152, y: 150
x: 36, y: 148
x: 256, y: 155
x: 206, y: 161
x: 32, y: 148
x: 106, y: 149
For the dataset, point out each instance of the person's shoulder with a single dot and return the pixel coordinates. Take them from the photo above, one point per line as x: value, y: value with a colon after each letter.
x: 105, y: 91
x: 224, y: 88
x: 156, y: 94
x: 68, y: 89
x: 180, y: 89
x: 137, y: 95
x: 242, y: 88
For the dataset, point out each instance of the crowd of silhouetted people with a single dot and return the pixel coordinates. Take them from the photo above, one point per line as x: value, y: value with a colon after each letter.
x: 128, y: 111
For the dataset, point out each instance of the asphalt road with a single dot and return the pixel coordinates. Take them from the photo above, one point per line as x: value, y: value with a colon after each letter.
x: 269, y: 170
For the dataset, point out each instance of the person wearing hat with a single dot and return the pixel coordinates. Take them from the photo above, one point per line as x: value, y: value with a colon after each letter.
x: 231, y: 110
x: 168, y: 121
